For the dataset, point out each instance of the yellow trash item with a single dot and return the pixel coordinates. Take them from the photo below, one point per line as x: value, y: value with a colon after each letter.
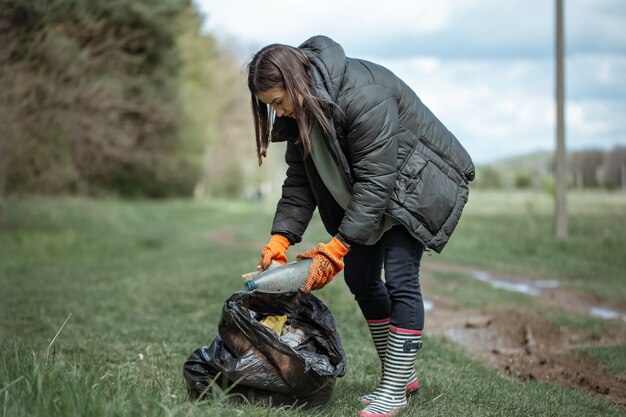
x: 275, y: 323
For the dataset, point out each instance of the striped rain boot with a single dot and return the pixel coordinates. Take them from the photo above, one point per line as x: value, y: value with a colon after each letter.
x: 380, y: 332
x: 402, y: 347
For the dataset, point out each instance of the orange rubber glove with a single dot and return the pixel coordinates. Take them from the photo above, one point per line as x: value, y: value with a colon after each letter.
x: 275, y: 250
x: 326, y: 264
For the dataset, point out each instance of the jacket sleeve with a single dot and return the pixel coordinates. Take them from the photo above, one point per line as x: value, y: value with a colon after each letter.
x: 372, y: 115
x: 297, y: 203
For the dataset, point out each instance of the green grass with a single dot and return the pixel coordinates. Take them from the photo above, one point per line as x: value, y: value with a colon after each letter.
x: 144, y: 283
x: 467, y: 292
x: 612, y: 358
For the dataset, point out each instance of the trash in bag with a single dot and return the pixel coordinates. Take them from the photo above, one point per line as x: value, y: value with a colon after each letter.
x: 297, y: 367
x: 275, y: 323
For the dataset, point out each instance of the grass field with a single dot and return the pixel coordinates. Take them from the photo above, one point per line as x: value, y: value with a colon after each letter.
x: 143, y: 285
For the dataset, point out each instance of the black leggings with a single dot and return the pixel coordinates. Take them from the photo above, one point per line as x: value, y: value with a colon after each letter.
x: 399, y: 296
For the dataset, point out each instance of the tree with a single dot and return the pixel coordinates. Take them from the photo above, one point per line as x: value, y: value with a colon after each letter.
x: 585, y: 168
x: 89, y: 96
x: 489, y: 178
x: 614, y: 168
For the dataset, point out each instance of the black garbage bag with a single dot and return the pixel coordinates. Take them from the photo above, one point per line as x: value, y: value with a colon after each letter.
x: 250, y: 359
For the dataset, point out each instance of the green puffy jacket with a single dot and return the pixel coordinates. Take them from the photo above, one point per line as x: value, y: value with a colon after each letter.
x: 396, y: 156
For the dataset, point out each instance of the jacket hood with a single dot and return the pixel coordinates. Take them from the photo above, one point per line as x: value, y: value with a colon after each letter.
x: 329, y: 60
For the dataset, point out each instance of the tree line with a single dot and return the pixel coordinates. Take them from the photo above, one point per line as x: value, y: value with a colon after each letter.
x: 586, y: 169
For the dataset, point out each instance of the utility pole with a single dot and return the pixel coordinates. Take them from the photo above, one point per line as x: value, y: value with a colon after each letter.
x: 560, y: 208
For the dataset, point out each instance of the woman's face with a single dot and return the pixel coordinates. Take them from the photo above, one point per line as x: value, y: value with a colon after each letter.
x: 279, y: 100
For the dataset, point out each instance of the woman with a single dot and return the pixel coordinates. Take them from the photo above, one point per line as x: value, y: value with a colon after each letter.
x: 389, y: 181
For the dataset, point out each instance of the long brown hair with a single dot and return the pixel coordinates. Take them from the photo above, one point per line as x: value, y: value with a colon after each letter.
x: 283, y: 66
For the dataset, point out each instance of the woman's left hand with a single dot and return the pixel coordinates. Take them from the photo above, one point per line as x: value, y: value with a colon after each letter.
x: 326, y: 264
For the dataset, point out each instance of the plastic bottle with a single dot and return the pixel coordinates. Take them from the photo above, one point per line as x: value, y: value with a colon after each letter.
x: 284, y: 278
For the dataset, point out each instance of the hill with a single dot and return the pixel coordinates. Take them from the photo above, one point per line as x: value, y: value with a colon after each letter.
x: 590, y: 168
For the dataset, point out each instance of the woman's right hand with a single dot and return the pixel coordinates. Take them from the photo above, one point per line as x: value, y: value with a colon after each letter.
x: 275, y: 250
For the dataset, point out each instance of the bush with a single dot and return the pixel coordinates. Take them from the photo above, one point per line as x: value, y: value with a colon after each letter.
x: 89, y: 97
x: 549, y: 186
x: 523, y: 180
x: 487, y: 178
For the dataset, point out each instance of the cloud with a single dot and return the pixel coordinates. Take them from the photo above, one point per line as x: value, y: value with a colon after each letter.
x: 501, y: 109
x: 280, y: 21
x: 504, y: 105
x: 483, y: 29
x: 595, y: 26
x: 491, y: 29
x: 596, y: 76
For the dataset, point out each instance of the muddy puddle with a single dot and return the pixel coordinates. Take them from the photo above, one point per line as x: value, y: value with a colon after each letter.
x: 528, y: 287
x: 550, y: 291
x: 606, y: 313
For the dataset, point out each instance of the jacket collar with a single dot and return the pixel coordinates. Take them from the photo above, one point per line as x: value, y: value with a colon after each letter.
x: 284, y: 129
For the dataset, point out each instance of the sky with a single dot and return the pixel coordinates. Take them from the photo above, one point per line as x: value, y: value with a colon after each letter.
x: 486, y: 68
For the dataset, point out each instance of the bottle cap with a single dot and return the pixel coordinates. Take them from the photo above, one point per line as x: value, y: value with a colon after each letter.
x: 250, y: 285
